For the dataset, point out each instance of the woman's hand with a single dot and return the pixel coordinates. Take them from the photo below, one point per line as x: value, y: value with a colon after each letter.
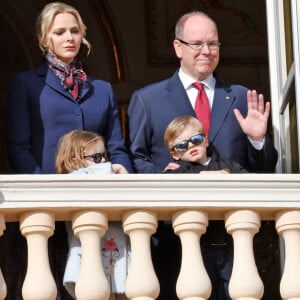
x: 223, y: 171
x: 119, y: 169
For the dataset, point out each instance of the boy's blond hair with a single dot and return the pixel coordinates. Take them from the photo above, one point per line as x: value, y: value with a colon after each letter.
x: 177, y: 126
x: 70, y: 150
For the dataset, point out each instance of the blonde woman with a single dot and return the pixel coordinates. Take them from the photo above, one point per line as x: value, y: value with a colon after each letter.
x: 59, y: 96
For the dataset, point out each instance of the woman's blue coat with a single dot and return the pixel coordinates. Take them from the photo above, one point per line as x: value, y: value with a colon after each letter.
x: 39, y: 111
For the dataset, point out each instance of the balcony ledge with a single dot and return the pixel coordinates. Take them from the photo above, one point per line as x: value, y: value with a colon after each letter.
x: 164, y: 193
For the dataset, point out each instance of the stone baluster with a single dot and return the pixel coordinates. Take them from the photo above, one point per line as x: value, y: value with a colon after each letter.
x: 89, y: 227
x: 39, y: 283
x: 3, y: 289
x: 245, y: 283
x: 193, y: 282
x: 288, y: 226
x: 142, y: 283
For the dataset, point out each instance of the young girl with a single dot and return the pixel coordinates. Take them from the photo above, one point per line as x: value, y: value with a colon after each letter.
x: 84, y: 152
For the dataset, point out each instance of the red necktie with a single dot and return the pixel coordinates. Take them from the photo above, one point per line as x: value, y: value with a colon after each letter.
x: 202, y: 109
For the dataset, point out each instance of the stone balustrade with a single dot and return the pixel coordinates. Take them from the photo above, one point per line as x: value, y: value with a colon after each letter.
x: 140, y: 201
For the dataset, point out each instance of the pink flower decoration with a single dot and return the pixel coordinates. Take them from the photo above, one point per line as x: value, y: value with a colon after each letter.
x: 110, y: 245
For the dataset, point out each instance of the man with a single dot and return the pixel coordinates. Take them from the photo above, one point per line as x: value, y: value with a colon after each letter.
x: 238, y: 117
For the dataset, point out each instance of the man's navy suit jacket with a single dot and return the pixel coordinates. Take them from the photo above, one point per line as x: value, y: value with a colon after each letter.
x: 39, y: 111
x: 153, y: 107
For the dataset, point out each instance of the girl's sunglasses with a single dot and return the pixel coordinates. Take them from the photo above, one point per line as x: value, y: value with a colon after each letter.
x: 183, y: 145
x: 97, y: 157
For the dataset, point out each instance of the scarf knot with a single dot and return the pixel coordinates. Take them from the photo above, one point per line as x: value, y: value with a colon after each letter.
x: 71, y: 76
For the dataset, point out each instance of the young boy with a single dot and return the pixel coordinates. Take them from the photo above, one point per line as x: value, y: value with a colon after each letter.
x: 187, y: 143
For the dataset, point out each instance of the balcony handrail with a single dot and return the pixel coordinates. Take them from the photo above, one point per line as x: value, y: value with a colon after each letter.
x: 139, y: 200
x: 217, y: 193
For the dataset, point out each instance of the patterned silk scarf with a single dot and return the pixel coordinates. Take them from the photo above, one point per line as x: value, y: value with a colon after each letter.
x: 71, y: 76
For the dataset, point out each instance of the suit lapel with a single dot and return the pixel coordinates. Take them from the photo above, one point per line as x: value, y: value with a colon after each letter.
x: 222, y: 106
x: 84, y: 90
x: 178, y: 94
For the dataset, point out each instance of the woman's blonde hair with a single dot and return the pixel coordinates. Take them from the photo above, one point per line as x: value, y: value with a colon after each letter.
x: 177, y: 126
x: 70, y: 150
x: 45, y: 21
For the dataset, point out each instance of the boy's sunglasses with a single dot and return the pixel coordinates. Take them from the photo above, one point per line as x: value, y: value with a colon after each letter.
x: 97, y: 157
x: 184, y: 145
